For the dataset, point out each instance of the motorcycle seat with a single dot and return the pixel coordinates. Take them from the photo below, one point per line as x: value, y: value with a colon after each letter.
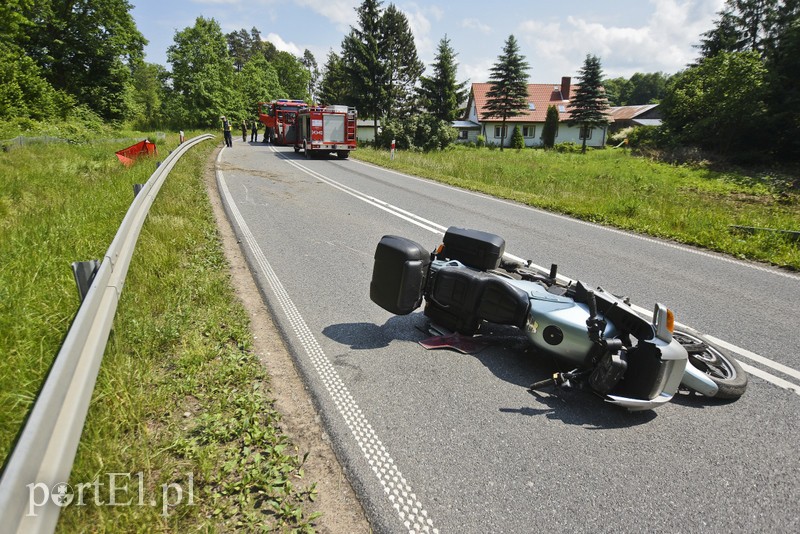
x: 462, y: 297
x: 503, y: 303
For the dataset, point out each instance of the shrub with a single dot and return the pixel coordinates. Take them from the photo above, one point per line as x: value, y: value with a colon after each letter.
x: 567, y: 147
x: 419, y: 132
x: 481, y: 142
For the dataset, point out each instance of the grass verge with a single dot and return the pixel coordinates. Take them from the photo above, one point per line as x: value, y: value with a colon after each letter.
x: 181, y: 433
x: 692, y: 205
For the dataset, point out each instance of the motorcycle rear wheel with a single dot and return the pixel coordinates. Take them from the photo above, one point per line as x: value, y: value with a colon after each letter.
x: 715, y: 362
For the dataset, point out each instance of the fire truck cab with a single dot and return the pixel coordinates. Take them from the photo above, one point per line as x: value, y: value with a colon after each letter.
x: 279, y: 118
x: 326, y: 130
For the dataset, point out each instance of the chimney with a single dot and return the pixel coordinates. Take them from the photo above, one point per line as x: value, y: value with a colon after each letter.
x: 566, y: 81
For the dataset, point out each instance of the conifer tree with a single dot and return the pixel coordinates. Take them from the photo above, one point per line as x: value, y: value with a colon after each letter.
x: 507, y: 97
x: 363, y: 60
x: 440, y: 94
x: 517, y: 141
x: 588, y: 108
x: 550, y: 127
x: 335, y: 87
x: 403, y: 67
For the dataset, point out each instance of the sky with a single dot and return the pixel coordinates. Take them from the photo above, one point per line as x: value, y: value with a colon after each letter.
x: 628, y: 36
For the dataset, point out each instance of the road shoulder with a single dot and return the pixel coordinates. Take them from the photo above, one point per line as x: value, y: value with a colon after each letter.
x: 336, y: 500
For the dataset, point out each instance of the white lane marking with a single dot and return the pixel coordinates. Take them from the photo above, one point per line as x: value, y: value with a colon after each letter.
x: 397, y: 490
x: 756, y: 358
x: 438, y: 228
x: 394, y: 210
x: 667, y: 244
x: 785, y: 384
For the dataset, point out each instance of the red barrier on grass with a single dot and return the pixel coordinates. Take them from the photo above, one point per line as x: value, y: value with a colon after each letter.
x: 143, y: 148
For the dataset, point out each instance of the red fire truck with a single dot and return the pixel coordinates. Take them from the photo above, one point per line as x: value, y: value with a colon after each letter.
x: 279, y: 118
x: 326, y: 130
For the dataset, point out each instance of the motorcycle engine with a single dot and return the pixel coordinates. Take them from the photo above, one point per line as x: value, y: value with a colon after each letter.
x: 608, y: 372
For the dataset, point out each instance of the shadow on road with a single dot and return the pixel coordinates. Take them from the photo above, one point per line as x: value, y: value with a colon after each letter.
x: 581, y: 408
x: 366, y: 336
x: 507, y: 354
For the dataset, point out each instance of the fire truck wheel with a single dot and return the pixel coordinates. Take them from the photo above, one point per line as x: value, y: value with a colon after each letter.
x: 343, y: 154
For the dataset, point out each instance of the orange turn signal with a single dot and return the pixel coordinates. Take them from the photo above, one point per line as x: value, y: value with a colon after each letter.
x: 670, y: 321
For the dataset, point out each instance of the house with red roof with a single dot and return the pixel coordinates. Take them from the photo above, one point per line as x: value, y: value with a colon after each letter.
x: 531, y: 122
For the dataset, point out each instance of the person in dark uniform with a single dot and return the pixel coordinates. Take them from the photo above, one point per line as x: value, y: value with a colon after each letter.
x: 254, y: 132
x: 226, y: 131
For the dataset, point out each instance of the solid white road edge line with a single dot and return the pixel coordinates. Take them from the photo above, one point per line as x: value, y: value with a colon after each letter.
x: 404, y: 501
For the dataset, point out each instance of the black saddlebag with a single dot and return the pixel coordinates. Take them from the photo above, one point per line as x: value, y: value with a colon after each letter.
x: 398, y: 274
x: 479, y: 250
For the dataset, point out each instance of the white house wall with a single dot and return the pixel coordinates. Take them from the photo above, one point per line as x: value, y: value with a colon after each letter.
x: 565, y: 134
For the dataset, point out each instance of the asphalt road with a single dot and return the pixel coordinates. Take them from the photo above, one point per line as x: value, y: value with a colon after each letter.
x: 438, y: 441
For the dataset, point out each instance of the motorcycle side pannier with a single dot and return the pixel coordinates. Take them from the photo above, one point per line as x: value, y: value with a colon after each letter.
x: 476, y: 249
x: 398, y: 274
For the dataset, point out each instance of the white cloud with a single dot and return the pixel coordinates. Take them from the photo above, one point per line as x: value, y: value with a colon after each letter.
x: 477, y: 25
x: 340, y: 12
x: 662, y: 43
x: 420, y: 26
x: 284, y: 46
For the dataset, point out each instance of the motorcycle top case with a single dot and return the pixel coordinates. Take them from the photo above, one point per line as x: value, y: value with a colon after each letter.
x: 398, y: 275
x: 479, y: 250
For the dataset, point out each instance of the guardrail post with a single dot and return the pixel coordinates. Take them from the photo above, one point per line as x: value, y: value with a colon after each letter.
x: 84, y: 272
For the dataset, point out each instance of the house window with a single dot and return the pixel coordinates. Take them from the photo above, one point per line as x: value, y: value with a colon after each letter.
x: 586, y: 133
x: 529, y: 131
x: 463, y: 134
x: 498, y: 132
x: 561, y: 108
x: 531, y: 106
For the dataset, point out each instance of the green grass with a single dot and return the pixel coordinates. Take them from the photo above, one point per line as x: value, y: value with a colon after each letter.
x: 181, y: 400
x: 693, y: 205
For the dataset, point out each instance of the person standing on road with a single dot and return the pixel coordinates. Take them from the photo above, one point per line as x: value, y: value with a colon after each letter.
x: 254, y: 132
x: 226, y: 131
x: 244, y: 131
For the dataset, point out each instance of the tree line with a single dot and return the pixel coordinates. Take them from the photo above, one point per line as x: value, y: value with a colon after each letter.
x: 742, y: 95
x: 62, y: 60
x: 84, y: 61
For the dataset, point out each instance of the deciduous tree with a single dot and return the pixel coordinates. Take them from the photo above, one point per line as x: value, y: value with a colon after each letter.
x: 202, y: 74
x: 719, y: 104
x: 293, y: 75
x: 87, y: 48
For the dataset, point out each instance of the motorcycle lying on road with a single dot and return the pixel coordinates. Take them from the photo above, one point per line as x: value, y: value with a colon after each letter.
x: 635, y: 362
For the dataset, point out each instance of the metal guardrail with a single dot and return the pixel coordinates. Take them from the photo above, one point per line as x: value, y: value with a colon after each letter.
x: 45, y: 451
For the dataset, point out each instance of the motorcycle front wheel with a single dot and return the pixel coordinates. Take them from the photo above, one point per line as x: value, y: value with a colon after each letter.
x: 716, y: 363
